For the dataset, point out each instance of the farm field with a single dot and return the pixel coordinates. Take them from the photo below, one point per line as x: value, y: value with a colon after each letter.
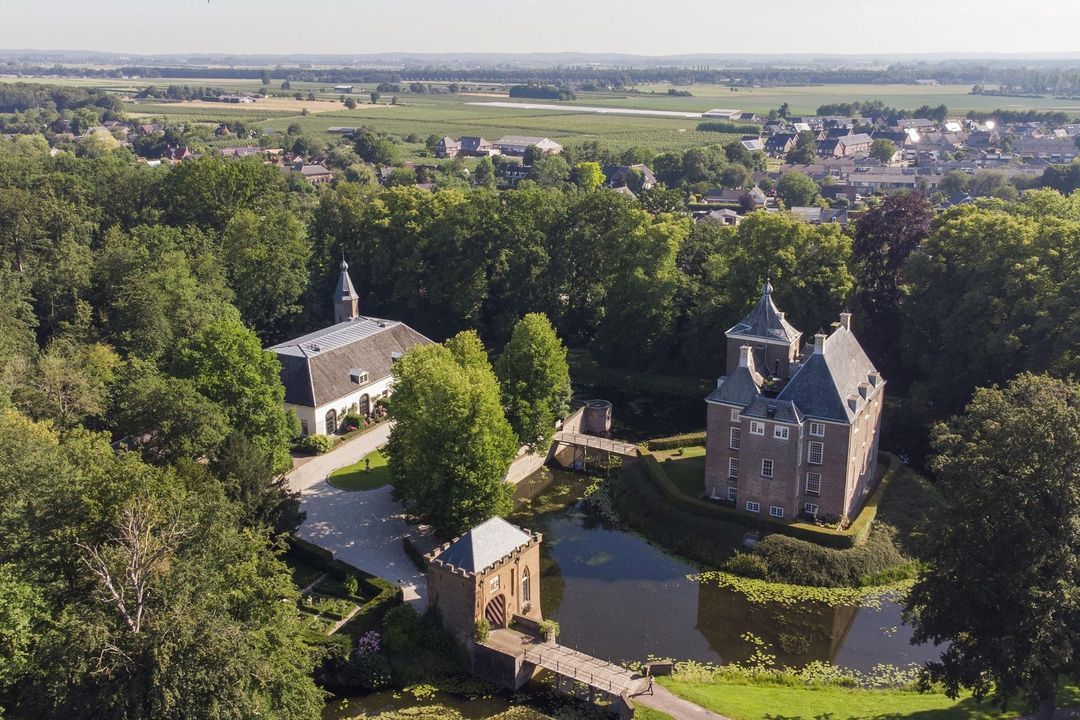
x: 452, y: 115
x: 463, y: 114
x: 805, y: 100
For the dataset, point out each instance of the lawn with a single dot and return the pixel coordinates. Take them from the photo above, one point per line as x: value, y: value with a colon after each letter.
x: 783, y: 702
x: 686, y: 468
x: 643, y: 713
x: 359, y: 476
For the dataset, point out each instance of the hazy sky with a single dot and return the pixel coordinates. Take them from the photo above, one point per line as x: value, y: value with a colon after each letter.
x: 649, y: 27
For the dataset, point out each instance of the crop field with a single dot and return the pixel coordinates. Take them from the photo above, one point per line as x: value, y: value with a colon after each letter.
x: 805, y: 100
x: 464, y: 114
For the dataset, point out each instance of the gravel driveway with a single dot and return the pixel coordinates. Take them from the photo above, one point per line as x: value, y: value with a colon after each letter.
x: 362, y: 527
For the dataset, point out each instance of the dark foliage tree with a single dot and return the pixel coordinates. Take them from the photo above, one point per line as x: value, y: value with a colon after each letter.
x: 1002, y: 588
x: 884, y: 238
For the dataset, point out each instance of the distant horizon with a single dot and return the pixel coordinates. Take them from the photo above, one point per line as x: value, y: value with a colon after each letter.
x: 1040, y: 55
x: 345, y: 27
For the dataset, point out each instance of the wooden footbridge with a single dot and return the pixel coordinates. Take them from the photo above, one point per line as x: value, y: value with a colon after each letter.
x: 593, y: 673
x: 595, y: 442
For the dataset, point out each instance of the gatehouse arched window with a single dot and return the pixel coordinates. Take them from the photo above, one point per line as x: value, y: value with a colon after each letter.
x: 331, y: 422
x: 526, y: 589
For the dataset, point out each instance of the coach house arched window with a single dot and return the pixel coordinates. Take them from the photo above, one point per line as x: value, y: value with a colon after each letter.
x: 526, y: 590
x: 331, y: 422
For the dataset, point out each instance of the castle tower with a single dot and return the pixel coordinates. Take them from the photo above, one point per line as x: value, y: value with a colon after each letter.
x: 346, y: 301
x: 774, y: 342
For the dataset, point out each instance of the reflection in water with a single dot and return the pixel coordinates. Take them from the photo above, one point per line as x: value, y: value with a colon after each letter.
x: 618, y: 597
x: 795, y: 634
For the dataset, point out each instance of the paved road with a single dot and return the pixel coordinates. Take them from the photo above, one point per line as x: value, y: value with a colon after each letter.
x: 363, y: 528
x: 663, y: 700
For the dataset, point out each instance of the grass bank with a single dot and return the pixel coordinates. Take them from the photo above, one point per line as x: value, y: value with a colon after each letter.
x: 748, y: 699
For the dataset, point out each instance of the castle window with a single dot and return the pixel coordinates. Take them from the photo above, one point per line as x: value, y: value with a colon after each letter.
x: 526, y: 586
x: 495, y: 583
x: 736, y: 438
x: 757, y: 428
x: 810, y: 509
x: 766, y: 468
x: 813, y: 483
x: 816, y: 453
x: 780, y: 432
x: 358, y: 376
x: 817, y: 429
x: 776, y: 512
x: 733, y: 467
x: 732, y: 494
x: 753, y: 506
x: 734, y: 415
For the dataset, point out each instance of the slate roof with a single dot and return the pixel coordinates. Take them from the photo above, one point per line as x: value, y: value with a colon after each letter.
x: 315, y: 368
x: 825, y: 381
x: 472, y: 143
x: 740, y: 387
x: 484, y: 545
x: 773, y: 409
x: 345, y: 289
x: 765, y: 320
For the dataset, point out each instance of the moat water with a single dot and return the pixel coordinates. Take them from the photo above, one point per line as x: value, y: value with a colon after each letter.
x: 620, y: 598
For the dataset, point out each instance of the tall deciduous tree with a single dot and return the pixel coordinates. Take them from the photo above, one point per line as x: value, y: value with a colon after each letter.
x: 535, y: 380
x: 226, y: 363
x: 992, y: 292
x: 797, y: 189
x: 166, y: 418
x: 883, y: 149
x: 156, y: 604
x: 805, y: 150
x: 588, y: 175
x: 884, y: 238
x: 266, y: 258
x: 451, y: 445
x: 1002, y: 579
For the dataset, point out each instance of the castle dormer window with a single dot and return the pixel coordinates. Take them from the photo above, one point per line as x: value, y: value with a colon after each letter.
x: 358, y: 376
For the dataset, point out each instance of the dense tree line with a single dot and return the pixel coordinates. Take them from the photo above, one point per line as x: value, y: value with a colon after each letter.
x: 1029, y: 77
x: 135, y: 303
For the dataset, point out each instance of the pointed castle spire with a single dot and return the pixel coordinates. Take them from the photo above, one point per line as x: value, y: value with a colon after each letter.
x: 346, y: 301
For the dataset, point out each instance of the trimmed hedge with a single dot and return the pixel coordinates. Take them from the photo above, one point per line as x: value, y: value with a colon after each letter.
x: 677, y: 441
x: 414, y: 554
x: 387, y: 595
x: 854, y: 535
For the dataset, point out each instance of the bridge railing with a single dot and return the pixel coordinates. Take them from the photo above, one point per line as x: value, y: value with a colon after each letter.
x: 557, y: 666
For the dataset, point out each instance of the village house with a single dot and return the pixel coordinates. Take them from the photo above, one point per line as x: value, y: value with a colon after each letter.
x: 518, y: 144
x: 343, y: 368
x: 447, y: 147
x: 818, y: 215
x: 476, y: 146
x: 793, y: 431
x: 723, y: 216
x: 618, y: 176
x: 316, y: 174
x: 780, y: 144
x: 755, y: 197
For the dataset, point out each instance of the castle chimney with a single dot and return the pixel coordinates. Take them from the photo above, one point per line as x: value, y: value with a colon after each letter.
x: 745, y: 360
x: 845, y: 320
x: 819, y: 343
